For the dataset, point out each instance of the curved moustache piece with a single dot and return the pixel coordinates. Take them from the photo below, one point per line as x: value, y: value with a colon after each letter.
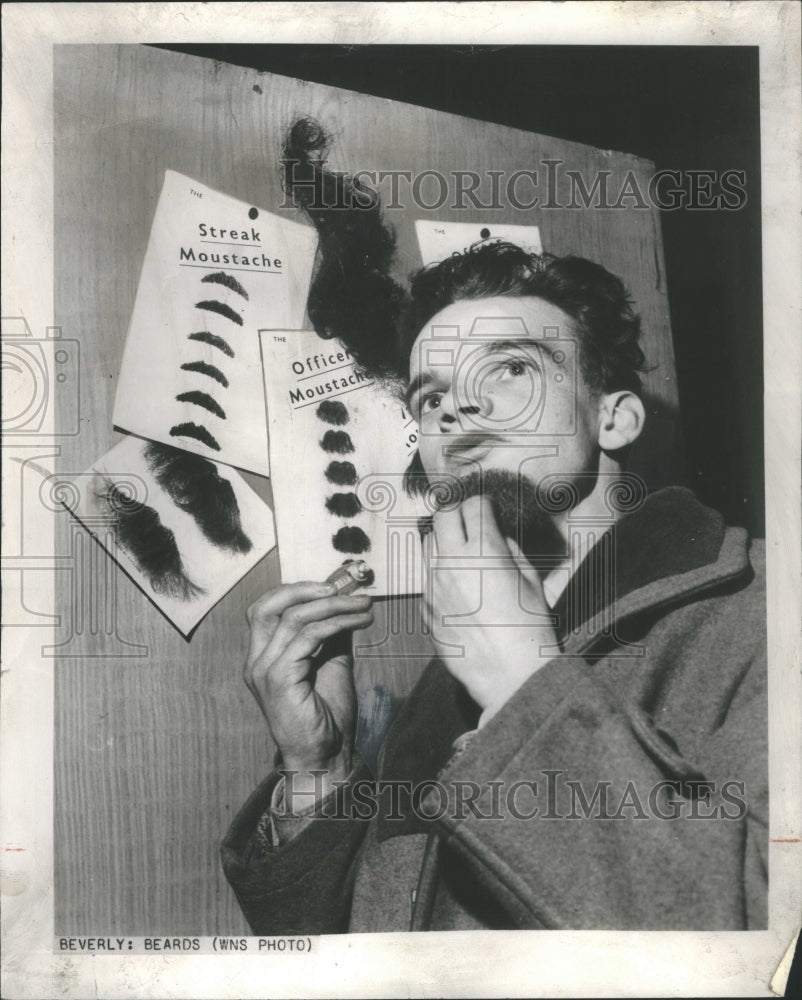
x: 194, y: 484
x: 152, y: 546
x: 190, y: 429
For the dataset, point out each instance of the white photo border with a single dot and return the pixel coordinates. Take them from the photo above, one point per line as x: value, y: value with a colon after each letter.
x: 523, y: 963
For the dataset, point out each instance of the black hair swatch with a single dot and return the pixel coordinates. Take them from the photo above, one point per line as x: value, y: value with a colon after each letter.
x: 202, y: 368
x: 212, y: 305
x: 352, y: 295
x: 351, y: 539
x: 221, y: 278
x: 343, y: 504
x: 341, y: 473
x: 202, y: 399
x: 190, y: 430
x: 332, y: 411
x: 416, y: 482
x: 213, y: 341
x: 338, y: 442
x: 138, y: 529
x: 194, y: 485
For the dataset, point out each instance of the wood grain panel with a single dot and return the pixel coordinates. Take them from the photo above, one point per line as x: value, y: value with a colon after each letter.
x: 155, y: 752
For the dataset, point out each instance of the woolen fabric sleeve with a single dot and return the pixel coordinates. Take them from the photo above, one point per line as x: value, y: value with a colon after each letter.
x: 614, y: 857
x: 303, y: 886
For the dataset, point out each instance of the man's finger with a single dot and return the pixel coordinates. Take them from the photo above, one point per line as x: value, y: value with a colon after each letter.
x: 526, y: 569
x: 291, y: 667
x: 295, y: 618
x: 481, y: 528
x: 532, y: 597
x: 276, y: 601
x: 263, y: 615
x: 449, y: 532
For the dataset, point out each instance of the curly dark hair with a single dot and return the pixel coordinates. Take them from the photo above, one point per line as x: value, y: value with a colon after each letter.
x: 605, y: 324
x: 355, y: 298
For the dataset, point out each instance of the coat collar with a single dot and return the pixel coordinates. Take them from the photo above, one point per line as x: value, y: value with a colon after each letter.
x: 667, y: 550
x: 673, y: 547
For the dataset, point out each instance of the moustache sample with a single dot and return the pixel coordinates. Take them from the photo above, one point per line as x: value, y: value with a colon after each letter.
x: 138, y: 529
x: 195, y: 487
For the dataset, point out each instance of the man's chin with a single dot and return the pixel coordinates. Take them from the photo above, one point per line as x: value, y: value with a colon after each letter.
x: 516, y: 506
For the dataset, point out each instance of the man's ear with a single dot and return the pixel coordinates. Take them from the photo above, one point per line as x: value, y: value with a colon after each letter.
x: 621, y: 419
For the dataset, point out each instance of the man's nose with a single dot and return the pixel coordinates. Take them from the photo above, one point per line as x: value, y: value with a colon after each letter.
x: 460, y: 411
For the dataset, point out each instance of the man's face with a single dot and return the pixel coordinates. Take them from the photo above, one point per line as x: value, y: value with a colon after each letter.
x: 495, y: 384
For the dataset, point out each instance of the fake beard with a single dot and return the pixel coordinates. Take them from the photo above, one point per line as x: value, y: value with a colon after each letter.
x: 194, y: 485
x: 138, y: 529
x: 516, y: 506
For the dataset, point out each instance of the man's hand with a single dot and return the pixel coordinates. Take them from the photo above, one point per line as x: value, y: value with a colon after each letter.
x: 506, y: 633
x: 305, y: 690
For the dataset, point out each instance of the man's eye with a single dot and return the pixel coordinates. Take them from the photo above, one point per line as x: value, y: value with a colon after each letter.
x: 512, y: 368
x: 430, y: 402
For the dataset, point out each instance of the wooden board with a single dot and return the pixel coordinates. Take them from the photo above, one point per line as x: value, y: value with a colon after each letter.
x: 157, y: 740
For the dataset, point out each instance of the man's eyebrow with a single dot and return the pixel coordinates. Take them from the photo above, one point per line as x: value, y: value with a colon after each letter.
x: 548, y: 346
x: 415, y: 385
